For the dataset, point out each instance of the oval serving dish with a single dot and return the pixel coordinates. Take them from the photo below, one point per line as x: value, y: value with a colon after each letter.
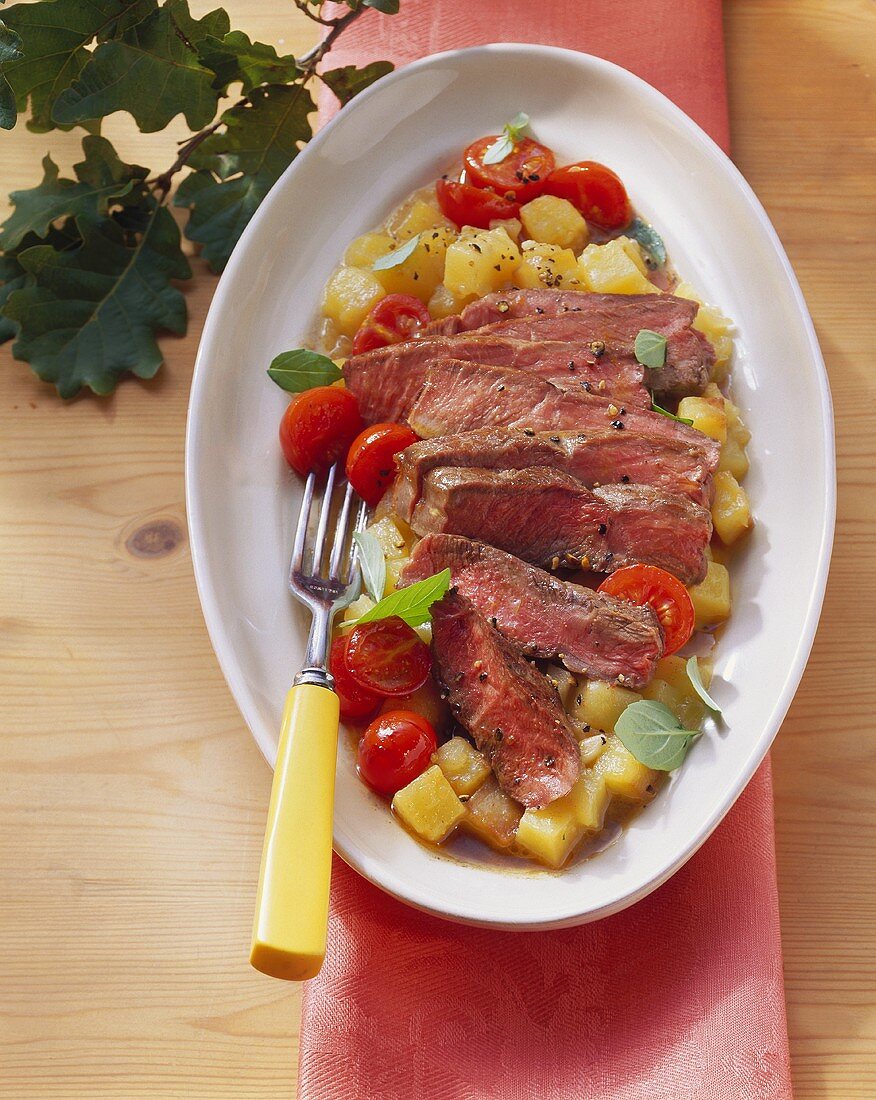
x: 242, y: 499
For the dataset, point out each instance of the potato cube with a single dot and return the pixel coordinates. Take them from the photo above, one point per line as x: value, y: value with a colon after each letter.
x: 664, y: 693
x: 429, y: 806
x: 551, y: 834
x: 392, y: 542
x: 624, y: 775
x: 554, y: 221
x: 591, y: 797
x: 733, y: 458
x: 707, y: 414
x: 393, y: 572
x: 681, y: 699
x: 350, y: 295
x: 511, y: 226
x: 711, y: 597
x: 356, y: 609
x: 602, y: 704
x: 418, y: 217
x: 591, y: 747
x: 464, y: 767
x: 444, y: 304
x: 423, y: 270
x: 492, y: 815
x: 364, y: 250
x: 712, y: 323
x: 731, y: 512
x: 479, y: 262
x: 427, y: 701
x: 615, y: 267
x: 546, y: 265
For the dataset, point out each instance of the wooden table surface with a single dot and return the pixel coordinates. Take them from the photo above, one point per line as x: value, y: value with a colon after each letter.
x: 131, y: 796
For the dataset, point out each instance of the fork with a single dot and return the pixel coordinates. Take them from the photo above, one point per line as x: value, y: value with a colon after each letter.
x: 291, y: 917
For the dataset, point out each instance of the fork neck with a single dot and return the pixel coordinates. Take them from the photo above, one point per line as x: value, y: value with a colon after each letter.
x: 316, y: 653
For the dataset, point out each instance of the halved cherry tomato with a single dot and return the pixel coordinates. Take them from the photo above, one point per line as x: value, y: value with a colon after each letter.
x: 596, y: 191
x: 356, y: 702
x: 318, y: 427
x: 388, y: 657
x: 475, y: 206
x: 370, y: 465
x: 647, y: 584
x: 520, y: 176
x: 395, y: 318
x: 395, y: 749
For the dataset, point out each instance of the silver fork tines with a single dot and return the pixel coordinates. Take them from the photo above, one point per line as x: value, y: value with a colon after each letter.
x: 324, y: 592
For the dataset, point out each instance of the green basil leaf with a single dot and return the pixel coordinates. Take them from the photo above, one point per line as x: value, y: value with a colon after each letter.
x: 650, y: 348
x: 693, y: 674
x: 649, y: 239
x: 371, y: 562
x: 654, y: 735
x: 503, y: 146
x: 411, y: 604
x: 398, y: 256
x: 301, y: 369
x: 665, y: 412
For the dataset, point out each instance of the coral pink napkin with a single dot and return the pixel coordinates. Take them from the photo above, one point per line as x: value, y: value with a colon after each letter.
x: 677, y: 998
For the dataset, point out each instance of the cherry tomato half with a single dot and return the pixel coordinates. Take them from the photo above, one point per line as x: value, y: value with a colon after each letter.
x: 395, y: 318
x: 395, y: 749
x: 370, y: 465
x: 356, y: 702
x: 596, y: 191
x: 388, y: 657
x: 318, y: 427
x: 647, y: 584
x: 475, y: 206
x: 520, y: 176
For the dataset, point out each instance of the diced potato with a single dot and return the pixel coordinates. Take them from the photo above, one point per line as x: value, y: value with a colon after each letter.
x: 393, y: 572
x: 479, y: 262
x: 615, y: 267
x: 602, y: 704
x: 707, y: 414
x: 733, y: 458
x: 364, y: 250
x: 492, y: 815
x: 551, y: 834
x: 717, y: 329
x: 511, y: 226
x: 546, y: 265
x: 711, y: 597
x: 350, y: 295
x: 554, y: 221
x: 464, y: 767
x: 429, y: 806
x: 661, y: 692
x: 417, y: 218
x: 356, y: 609
x: 427, y: 701
x: 444, y: 304
x: 624, y: 775
x: 392, y: 541
x: 591, y: 797
x: 672, y: 687
x: 592, y: 746
x: 423, y: 270
x: 731, y: 512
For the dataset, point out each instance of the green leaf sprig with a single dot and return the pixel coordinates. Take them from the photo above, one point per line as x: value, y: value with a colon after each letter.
x: 371, y: 562
x: 398, y: 256
x: 649, y: 240
x: 503, y: 146
x: 301, y: 369
x: 671, y: 416
x: 654, y: 735
x: 650, y: 349
x: 88, y: 265
x: 413, y: 604
x: 693, y: 674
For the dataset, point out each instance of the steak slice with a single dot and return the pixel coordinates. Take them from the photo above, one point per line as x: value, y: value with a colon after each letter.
x: 462, y: 397
x: 593, y: 634
x: 549, y: 519
x: 623, y: 457
x: 614, y: 319
x: 387, y: 380
x: 509, y: 708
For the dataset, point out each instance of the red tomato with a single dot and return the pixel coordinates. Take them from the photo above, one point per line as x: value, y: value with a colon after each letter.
x: 646, y: 584
x: 596, y: 191
x: 395, y: 318
x: 395, y: 749
x: 370, y: 465
x: 318, y: 427
x: 388, y: 657
x: 520, y: 176
x: 467, y: 205
x: 355, y: 701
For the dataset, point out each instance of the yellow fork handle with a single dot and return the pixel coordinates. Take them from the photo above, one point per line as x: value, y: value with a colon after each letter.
x: 289, y: 930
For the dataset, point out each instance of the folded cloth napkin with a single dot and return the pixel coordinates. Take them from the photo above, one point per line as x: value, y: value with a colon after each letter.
x: 679, y: 997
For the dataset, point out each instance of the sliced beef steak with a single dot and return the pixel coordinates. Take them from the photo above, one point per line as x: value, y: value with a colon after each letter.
x: 549, y: 519
x: 594, y: 634
x: 462, y: 397
x: 613, y: 319
x: 510, y: 709
x: 387, y: 380
x: 611, y: 456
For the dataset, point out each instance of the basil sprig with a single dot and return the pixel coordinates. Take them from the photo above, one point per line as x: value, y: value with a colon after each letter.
x: 412, y: 604
x: 371, y: 562
x: 654, y: 735
x: 301, y: 369
x: 650, y: 348
x: 693, y: 674
x: 503, y: 146
x: 398, y: 256
x: 649, y: 240
x: 665, y: 412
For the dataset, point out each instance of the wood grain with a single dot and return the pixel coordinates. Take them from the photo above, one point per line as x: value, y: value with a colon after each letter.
x: 132, y: 800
